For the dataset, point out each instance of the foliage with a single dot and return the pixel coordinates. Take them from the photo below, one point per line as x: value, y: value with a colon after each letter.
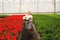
x: 48, y: 26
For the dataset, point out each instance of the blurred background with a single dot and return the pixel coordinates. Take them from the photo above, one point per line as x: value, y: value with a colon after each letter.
x: 22, y: 6
x: 46, y: 15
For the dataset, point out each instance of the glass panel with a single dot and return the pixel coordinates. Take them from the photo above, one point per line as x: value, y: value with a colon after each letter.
x: 28, y: 5
x: 57, y: 0
x: 45, y: 6
x: 0, y: 1
x: 10, y: 6
x: 17, y: 6
x: 57, y: 5
x: 0, y: 7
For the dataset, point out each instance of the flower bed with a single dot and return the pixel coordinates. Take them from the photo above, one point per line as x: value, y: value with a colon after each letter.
x: 48, y: 25
x: 10, y: 26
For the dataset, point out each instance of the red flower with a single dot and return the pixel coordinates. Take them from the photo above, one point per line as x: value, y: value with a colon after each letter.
x: 2, y: 37
x: 1, y: 29
x: 11, y: 24
x: 8, y: 36
x: 14, y: 38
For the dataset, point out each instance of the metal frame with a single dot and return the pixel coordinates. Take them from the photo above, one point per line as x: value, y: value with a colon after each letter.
x: 54, y: 3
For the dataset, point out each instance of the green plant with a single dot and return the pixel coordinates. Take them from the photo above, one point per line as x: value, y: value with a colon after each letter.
x: 48, y: 26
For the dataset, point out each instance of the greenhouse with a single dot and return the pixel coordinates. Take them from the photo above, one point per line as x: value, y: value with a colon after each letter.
x: 29, y: 19
x: 19, y: 6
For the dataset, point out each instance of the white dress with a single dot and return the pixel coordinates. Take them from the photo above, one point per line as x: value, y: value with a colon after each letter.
x: 27, y: 17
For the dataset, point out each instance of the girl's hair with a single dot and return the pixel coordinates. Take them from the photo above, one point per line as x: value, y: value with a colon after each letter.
x: 29, y: 13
